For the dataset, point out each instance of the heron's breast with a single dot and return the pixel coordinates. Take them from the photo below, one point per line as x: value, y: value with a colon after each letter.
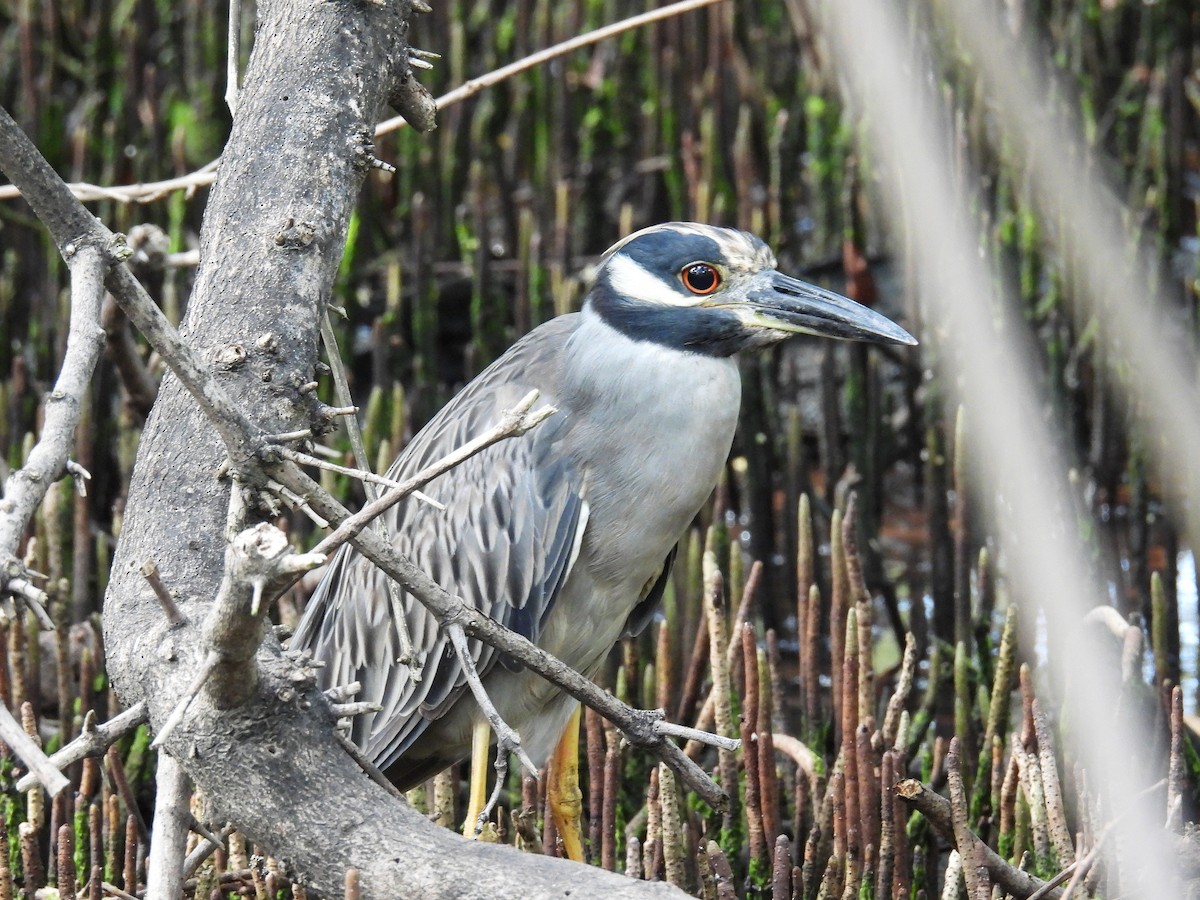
x: 651, y: 431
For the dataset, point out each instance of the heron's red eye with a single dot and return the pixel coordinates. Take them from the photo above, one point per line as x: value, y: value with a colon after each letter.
x: 700, y: 278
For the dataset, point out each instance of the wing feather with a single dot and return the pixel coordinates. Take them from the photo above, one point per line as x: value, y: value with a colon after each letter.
x: 505, y: 545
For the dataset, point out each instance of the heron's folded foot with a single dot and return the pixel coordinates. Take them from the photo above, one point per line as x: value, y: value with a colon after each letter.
x: 562, y: 789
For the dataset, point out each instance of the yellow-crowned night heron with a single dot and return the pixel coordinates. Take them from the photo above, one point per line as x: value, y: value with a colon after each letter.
x: 566, y: 535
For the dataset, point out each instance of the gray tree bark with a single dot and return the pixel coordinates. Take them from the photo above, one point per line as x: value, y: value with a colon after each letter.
x: 273, y: 235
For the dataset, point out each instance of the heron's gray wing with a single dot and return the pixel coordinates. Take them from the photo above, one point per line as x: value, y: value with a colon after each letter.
x: 514, y: 518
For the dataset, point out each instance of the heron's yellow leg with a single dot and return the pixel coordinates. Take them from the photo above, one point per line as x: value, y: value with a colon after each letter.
x: 481, y: 742
x: 562, y: 789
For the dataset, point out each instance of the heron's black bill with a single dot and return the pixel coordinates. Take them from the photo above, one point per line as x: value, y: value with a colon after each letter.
x: 788, y: 304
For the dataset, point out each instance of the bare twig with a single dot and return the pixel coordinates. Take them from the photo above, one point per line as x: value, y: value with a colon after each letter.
x: 203, y: 851
x: 475, y: 85
x: 407, y: 655
x: 93, y: 740
x: 113, y: 891
x: 363, y: 475
x: 1044, y: 890
x: 670, y: 729
x: 35, y: 599
x: 150, y: 573
x: 80, y: 475
x: 296, y: 501
x: 507, y: 739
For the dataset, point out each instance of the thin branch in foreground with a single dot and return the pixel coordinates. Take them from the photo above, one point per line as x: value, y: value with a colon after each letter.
x: 79, y: 474
x: 47, y: 461
x: 207, y: 666
x: 340, y: 693
x: 507, y: 739
x: 671, y: 729
x: 363, y: 475
x: 34, y: 598
x: 296, y: 501
x: 38, y: 763
x: 203, y: 851
x: 513, y: 422
x: 172, y: 817
x: 356, y: 708
x: 474, y: 85
x: 113, y: 891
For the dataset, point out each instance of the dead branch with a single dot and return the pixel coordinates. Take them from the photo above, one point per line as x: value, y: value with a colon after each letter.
x: 40, y: 766
x: 936, y: 809
x: 93, y: 740
x: 47, y: 462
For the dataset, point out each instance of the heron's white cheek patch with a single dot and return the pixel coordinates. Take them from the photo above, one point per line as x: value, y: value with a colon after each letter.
x: 628, y: 279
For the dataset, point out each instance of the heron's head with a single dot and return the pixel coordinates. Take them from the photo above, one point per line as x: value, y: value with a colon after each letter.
x: 716, y: 291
